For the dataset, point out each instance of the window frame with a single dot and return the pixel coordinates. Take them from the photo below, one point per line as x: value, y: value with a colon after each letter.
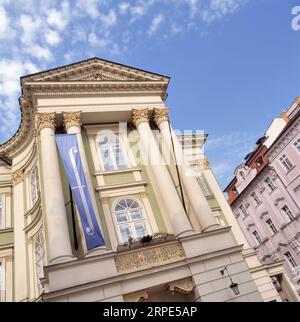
x: 288, y: 212
x: 271, y: 186
x: 296, y: 144
x: 271, y: 225
x: 290, y: 259
x: 243, y: 210
x: 255, y: 198
x: 34, y: 175
x: 121, y: 143
x: 286, y: 162
x: 131, y: 223
x: 257, y: 237
x: 39, y: 263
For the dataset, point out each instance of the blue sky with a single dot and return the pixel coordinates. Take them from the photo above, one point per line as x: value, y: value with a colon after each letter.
x: 234, y: 64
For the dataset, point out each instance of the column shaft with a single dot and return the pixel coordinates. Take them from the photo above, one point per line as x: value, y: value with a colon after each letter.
x: 165, y: 184
x: 198, y: 201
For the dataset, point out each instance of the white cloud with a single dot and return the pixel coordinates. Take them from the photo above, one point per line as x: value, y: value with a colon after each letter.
x: 52, y: 37
x: 30, y: 27
x: 4, y: 23
x: 109, y: 20
x: 123, y: 7
x: 59, y: 18
x: 193, y: 4
x: 98, y: 42
x: 156, y: 22
x: 39, y: 52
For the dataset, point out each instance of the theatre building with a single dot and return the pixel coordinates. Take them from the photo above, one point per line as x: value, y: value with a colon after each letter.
x: 98, y: 204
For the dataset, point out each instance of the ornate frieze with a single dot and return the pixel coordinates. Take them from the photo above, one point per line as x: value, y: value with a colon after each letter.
x: 71, y: 119
x: 183, y: 286
x: 161, y: 115
x: 139, y: 116
x: 149, y: 257
x: 45, y: 120
x: 17, y: 176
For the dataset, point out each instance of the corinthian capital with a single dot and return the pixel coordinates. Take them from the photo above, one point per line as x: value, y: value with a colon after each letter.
x: 17, y: 177
x: 45, y: 120
x: 139, y: 116
x: 161, y: 115
x: 71, y: 119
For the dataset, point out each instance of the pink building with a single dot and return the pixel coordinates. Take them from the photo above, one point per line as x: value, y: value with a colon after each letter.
x: 265, y: 194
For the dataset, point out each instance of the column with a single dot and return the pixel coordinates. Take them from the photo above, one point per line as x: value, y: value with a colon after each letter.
x: 72, y: 125
x: 59, y: 244
x: 20, y: 267
x: 198, y: 201
x: 161, y: 174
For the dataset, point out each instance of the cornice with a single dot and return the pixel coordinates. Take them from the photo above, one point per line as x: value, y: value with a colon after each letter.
x: 23, y: 131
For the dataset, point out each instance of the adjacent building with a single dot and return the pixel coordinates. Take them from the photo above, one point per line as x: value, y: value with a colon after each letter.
x: 264, y: 194
x: 94, y: 205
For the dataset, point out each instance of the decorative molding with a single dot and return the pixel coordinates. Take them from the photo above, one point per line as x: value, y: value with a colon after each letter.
x: 45, y: 120
x: 139, y: 116
x: 149, y: 257
x: 17, y: 176
x: 136, y: 297
x: 262, y: 189
x: 184, y: 286
x: 161, y: 115
x: 71, y: 119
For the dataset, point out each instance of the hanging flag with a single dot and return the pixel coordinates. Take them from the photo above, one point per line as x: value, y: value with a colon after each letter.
x: 69, y: 152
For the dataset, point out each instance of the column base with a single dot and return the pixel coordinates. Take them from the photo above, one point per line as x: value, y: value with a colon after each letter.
x: 97, y: 251
x: 62, y: 259
x: 185, y: 233
x: 211, y: 227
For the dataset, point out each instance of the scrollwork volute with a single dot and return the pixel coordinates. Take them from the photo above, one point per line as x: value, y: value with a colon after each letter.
x: 161, y: 115
x: 183, y: 286
x: 139, y: 116
x: 71, y: 119
x: 44, y: 120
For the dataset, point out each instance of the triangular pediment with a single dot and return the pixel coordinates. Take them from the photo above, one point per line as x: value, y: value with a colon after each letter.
x: 95, y: 69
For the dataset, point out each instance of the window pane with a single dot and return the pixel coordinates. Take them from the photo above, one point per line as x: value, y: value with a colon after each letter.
x: 136, y: 215
x: 125, y: 233
x: 140, y: 229
x: 122, y: 217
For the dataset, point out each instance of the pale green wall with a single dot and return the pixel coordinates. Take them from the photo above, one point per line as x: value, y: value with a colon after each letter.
x: 119, y: 178
x: 6, y: 238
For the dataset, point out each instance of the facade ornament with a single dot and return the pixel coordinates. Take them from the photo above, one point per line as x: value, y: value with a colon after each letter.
x: 45, y: 120
x: 139, y: 116
x: 161, y: 115
x: 17, y: 177
x: 71, y: 119
x: 261, y: 189
x: 136, y: 297
x: 8, y: 194
x: 96, y: 76
x: 183, y: 286
x: 137, y: 260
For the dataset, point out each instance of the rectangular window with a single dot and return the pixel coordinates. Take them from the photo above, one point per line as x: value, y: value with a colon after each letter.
x: 257, y: 237
x: 244, y: 210
x: 272, y: 226
x: 2, y: 210
x: 297, y: 144
x: 111, y: 152
x: 2, y: 280
x: 290, y: 259
x: 34, y: 184
x: 255, y: 198
x: 286, y: 162
x: 270, y: 184
x: 288, y: 212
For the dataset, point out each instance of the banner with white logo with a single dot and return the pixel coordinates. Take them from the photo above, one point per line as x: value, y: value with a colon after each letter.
x: 68, y: 148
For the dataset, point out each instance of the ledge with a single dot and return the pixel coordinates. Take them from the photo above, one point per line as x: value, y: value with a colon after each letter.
x: 103, y: 173
x: 7, y: 230
x: 121, y: 186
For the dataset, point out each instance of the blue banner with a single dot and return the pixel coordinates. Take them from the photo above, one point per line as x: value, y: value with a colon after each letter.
x: 69, y: 152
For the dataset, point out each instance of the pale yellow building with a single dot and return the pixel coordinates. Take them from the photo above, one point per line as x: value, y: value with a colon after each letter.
x: 43, y: 250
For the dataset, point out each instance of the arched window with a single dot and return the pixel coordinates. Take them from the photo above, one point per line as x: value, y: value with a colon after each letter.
x: 111, y: 152
x: 34, y: 185
x: 39, y: 251
x: 130, y: 219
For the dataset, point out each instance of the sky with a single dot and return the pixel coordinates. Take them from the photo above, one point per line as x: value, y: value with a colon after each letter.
x: 234, y: 64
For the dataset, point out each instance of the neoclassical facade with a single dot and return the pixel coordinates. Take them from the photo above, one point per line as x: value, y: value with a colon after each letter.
x: 264, y: 195
x: 163, y: 237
